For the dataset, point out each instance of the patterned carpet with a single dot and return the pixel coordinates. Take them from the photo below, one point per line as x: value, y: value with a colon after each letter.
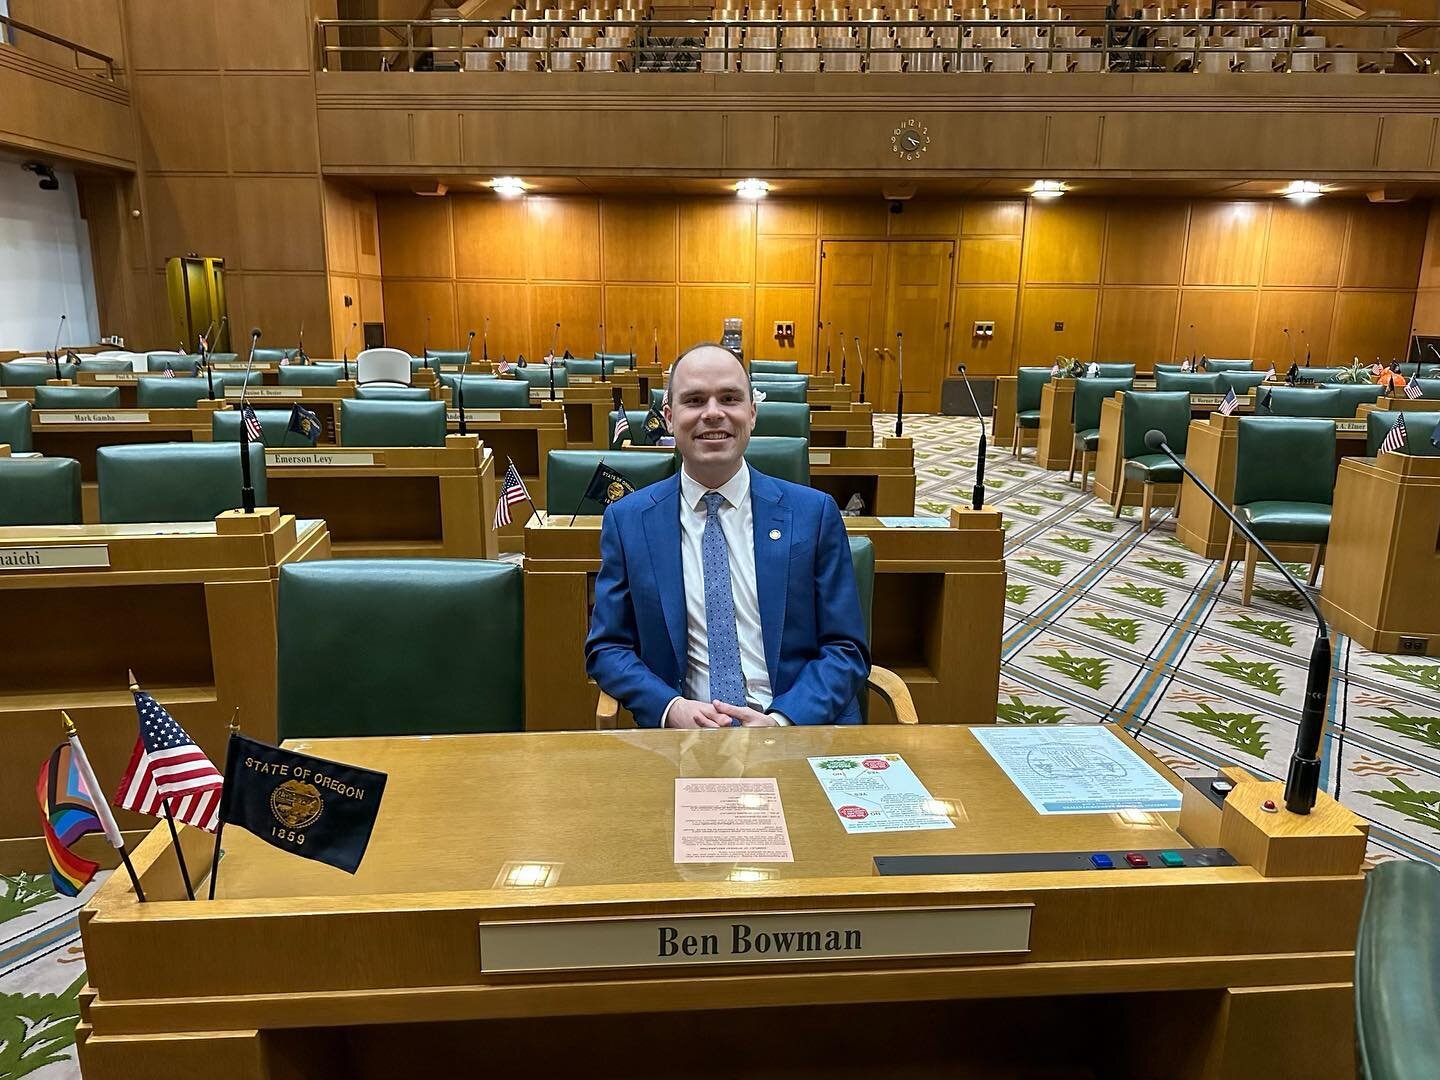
x: 1102, y: 622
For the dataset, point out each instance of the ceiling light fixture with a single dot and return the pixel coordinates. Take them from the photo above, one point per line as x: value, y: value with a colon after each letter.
x: 1047, y: 189
x: 752, y: 189
x: 1302, y: 190
x: 508, y: 187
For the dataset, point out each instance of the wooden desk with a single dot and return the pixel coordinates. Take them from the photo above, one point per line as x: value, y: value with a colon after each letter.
x: 1056, y: 435
x: 323, y: 401
x: 1002, y: 423
x: 308, y: 971
x: 189, y: 606
x: 937, y: 615
x: 1382, y: 571
x: 525, y: 435
x: 127, y: 381
x: 854, y: 426
x: 393, y: 501
x: 883, y: 476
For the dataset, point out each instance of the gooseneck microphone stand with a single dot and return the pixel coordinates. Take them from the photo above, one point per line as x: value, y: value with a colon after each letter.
x: 977, y: 500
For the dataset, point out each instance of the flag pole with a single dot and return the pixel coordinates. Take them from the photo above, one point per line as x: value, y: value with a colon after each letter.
x: 220, y: 828
x: 165, y: 804
x: 102, y: 808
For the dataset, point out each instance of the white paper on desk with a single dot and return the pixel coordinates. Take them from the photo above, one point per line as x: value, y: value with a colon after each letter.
x: 877, y: 793
x: 1076, y: 769
x: 728, y: 819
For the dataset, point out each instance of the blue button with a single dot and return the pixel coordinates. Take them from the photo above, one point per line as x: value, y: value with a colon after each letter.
x: 1102, y: 862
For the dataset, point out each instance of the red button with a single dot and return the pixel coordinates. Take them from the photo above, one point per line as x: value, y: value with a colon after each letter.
x: 1136, y: 859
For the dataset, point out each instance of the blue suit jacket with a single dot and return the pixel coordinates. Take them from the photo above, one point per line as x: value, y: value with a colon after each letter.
x: 815, y: 647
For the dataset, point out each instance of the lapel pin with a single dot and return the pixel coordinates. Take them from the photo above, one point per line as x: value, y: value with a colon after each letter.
x: 774, y: 534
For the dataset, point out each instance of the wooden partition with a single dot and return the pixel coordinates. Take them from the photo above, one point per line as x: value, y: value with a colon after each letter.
x: 1056, y: 435
x: 190, y: 607
x: 525, y: 436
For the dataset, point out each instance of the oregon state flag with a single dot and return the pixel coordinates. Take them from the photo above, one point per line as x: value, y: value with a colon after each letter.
x: 67, y: 812
x: 305, y: 805
x: 608, y: 486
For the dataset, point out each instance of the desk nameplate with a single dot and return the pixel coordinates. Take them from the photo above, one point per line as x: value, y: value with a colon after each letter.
x: 1350, y: 427
x: 819, y: 457
x: 55, y: 557
x: 473, y: 416
x: 318, y: 457
x: 91, y: 416
x: 235, y: 393
x: 749, y: 938
x: 117, y: 376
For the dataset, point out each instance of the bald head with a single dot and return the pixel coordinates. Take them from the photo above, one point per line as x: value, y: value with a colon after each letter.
x: 706, y: 350
x: 710, y: 410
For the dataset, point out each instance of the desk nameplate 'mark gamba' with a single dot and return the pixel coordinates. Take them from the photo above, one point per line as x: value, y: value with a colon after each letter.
x: 749, y: 938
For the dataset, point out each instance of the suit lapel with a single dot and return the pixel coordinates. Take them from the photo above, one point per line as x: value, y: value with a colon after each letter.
x: 772, y: 562
x: 662, y: 533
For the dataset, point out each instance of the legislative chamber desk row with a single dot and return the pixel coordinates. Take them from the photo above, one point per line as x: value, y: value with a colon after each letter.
x: 510, y: 915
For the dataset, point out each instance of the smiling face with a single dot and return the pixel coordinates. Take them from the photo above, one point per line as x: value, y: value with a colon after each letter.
x: 711, y: 412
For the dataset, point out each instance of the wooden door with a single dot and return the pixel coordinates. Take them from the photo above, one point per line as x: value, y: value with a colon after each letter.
x: 852, y: 302
x: 917, y: 304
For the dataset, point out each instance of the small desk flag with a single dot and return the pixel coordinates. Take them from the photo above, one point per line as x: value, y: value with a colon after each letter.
x: 304, y: 423
x: 1396, y: 438
x: 608, y: 486
x: 1228, y: 405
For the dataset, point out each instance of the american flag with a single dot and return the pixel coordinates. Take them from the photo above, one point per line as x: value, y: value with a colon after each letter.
x: 1228, y: 405
x: 1270, y: 375
x: 1395, y: 441
x: 621, y: 427
x: 253, y: 430
x: 166, y: 764
x: 503, y: 367
x: 1412, y: 389
x: 1186, y: 366
x: 512, y: 491
x: 169, y: 371
x: 1376, y: 369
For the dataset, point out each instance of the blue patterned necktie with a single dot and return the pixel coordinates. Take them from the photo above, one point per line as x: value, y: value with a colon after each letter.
x: 727, y: 681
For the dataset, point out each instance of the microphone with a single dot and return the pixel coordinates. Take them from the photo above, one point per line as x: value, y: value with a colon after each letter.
x: 300, y: 357
x: 1291, y: 343
x: 978, y: 498
x: 345, y: 353
x: 469, y: 344
x: 657, y: 347
x: 1303, y: 780
x: 55, y: 352
x: 1192, y: 343
x: 843, y: 361
x: 485, y: 342
x: 554, y: 344
x: 632, y: 344
x: 425, y: 345
x: 1306, y: 342
x: 900, y: 390
x: 602, y: 352
x: 220, y: 334
x: 825, y: 329
x: 460, y: 395
x: 204, y: 342
x: 247, y: 491
x: 863, y: 367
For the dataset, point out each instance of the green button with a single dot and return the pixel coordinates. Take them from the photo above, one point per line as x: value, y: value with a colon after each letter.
x: 1171, y: 858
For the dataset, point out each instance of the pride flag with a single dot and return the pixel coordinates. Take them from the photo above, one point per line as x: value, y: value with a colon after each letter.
x: 67, y: 812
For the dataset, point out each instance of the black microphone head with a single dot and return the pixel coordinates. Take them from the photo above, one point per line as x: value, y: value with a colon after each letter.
x: 471, y: 336
x: 255, y: 333
x: 1155, y: 439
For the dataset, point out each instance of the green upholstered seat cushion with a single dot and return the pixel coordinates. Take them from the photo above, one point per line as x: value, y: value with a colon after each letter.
x: 1091, y: 393
x: 180, y: 364
x: 569, y: 472
x: 1028, y: 383
x: 1194, y: 383
x: 782, y: 418
x: 1419, y: 431
x: 1284, y: 459
x: 393, y: 423
x: 108, y: 364
x: 358, y: 647
x: 310, y: 375
x: 535, y: 375
x: 1153, y: 469
x: 1241, y: 381
x: 781, y: 457
x: 780, y: 391
x: 15, y: 425
x: 1397, y: 973
x: 1089, y: 439
x: 393, y: 393
x: 77, y: 397
x: 1282, y: 520
x: 274, y: 356
x: 274, y: 428
x: 774, y: 367
x: 174, y: 481
x: 635, y: 418
x: 613, y: 360
x: 1030, y: 418
x: 32, y: 372
x: 1115, y: 371
x: 1166, y: 411
x: 39, y: 491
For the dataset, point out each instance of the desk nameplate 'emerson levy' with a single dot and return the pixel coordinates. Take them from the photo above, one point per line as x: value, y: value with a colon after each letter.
x: 749, y: 938
x: 55, y: 557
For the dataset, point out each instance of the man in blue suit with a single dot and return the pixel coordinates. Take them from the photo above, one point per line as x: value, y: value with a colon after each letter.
x: 725, y: 596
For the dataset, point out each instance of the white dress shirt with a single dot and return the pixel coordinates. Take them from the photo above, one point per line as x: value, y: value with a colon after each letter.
x: 737, y: 522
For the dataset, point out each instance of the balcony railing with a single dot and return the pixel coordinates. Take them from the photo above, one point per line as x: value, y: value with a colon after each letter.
x: 812, y: 46
x: 9, y: 28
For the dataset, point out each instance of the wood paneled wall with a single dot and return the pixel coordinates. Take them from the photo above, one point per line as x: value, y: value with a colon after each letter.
x: 352, y: 253
x: 1123, y: 279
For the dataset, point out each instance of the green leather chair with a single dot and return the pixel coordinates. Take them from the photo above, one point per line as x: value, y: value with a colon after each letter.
x: 781, y: 457
x: 274, y: 356
x: 497, y: 394
x: 634, y: 417
x: 774, y: 367
x: 1029, y: 381
x: 1089, y: 394
x: 1352, y: 397
x: 15, y: 425
x: 613, y: 360
x: 40, y: 491
x: 1162, y: 410
x: 173, y: 481
x: 1397, y: 973
x: 1221, y: 366
x: 310, y: 375
x: 337, y: 677
x: 224, y: 357
x: 1114, y: 371
x: 274, y: 428
x: 456, y: 358
x: 588, y: 367
x: 77, y: 397
x: 1284, y: 486
x: 1242, y: 381
x: 394, y: 393
x: 1314, y: 374
x: 471, y: 381
x: 183, y: 392
x: 782, y: 418
x: 568, y: 474
x: 32, y: 372
x: 1189, y: 382
x: 782, y: 391
x: 109, y: 365
x: 181, y: 364
x: 535, y: 375
x: 764, y: 379
x: 1419, y: 430
x: 392, y: 423
x: 1301, y: 401
x: 1429, y: 388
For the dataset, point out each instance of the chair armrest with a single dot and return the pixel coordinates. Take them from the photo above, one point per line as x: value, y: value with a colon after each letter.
x: 895, y: 693
x: 607, y: 713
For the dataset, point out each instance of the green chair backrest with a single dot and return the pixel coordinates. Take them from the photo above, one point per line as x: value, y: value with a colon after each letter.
x: 615, y: 360
x: 764, y: 379
x: 1302, y: 401
x: 1397, y: 973
x: 1089, y: 393
x: 1285, y: 459
x: 782, y: 457
x: 569, y: 472
x: 32, y: 372
x: 1028, y: 383
x: 1419, y: 430
x: 311, y: 375
x: 782, y: 418
x: 587, y: 367
x: 1352, y: 397
x: 173, y: 481
x: 1241, y: 381
x: 274, y: 428
x: 337, y: 677
x: 536, y: 375
x: 393, y: 423
x: 1114, y: 371
x: 1167, y: 411
x: 774, y: 367
x: 1189, y: 381
x: 181, y: 392
x: 1430, y: 388
x: 393, y: 393
x: 471, y: 381
x: 634, y: 417
x: 496, y: 394
x: 15, y: 425
x: 104, y: 363
x: 274, y: 356
x: 180, y: 364
x: 781, y: 391
x: 77, y: 397
x: 1314, y: 374
x: 224, y: 357
x: 1229, y: 365
x: 862, y: 560
x: 39, y: 491
x: 453, y: 359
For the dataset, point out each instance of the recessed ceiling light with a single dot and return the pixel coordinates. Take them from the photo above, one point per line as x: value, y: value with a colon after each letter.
x: 752, y: 189
x: 1047, y: 189
x: 1302, y: 190
x: 508, y: 187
